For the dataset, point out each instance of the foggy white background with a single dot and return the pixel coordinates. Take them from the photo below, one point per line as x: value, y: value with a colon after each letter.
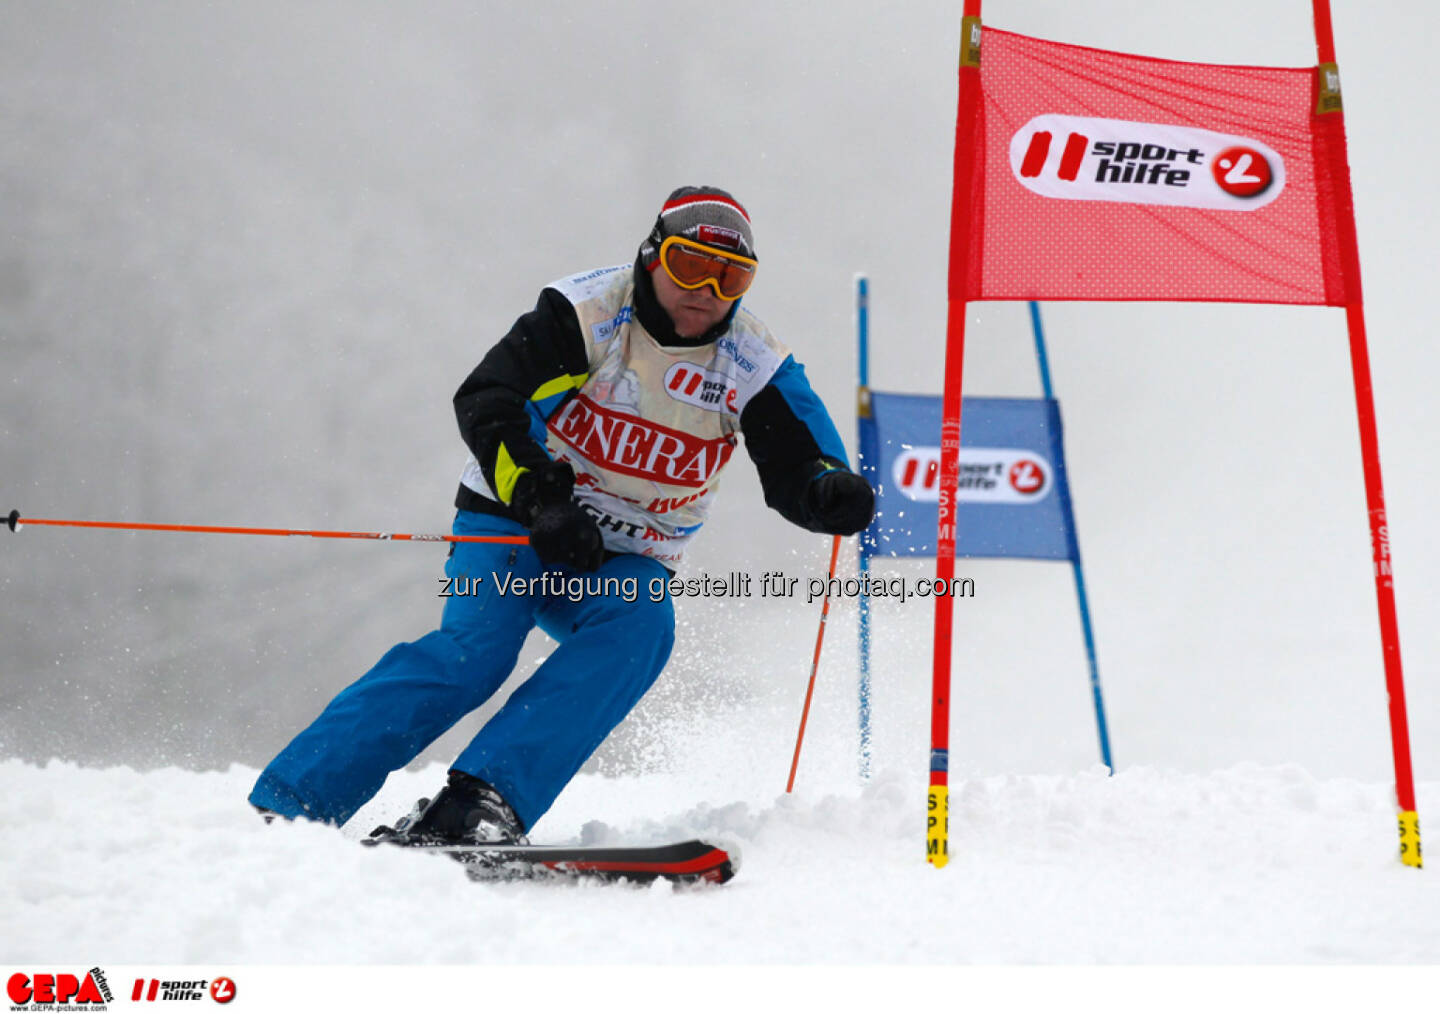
x: 248, y: 251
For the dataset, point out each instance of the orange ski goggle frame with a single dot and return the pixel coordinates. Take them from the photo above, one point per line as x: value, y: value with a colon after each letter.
x: 691, y: 265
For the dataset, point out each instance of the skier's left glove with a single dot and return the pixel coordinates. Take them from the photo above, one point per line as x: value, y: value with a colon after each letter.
x: 560, y: 531
x: 564, y: 533
x: 841, y: 502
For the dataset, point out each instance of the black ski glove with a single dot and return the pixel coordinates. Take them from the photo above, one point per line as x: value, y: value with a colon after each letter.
x: 841, y: 502
x: 560, y: 531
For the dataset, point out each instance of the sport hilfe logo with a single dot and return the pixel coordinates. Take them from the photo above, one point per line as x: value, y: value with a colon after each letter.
x: 700, y: 387
x: 221, y: 989
x: 993, y: 475
x: 1087, y: 158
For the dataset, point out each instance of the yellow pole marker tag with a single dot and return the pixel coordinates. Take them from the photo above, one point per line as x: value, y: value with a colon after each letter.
x: 1410, y: 839
x: 970, y: 42
x: 1328, y: 94
x: 937, y: 827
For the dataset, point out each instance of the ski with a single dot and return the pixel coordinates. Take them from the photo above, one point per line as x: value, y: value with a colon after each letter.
x: 686, y: 862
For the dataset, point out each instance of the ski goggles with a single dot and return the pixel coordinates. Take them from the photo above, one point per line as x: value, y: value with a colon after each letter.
x: 691, y: 265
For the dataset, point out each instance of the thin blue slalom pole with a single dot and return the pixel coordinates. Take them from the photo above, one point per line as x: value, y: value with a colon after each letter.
x: 1079, y: 571
x: 862, y: 325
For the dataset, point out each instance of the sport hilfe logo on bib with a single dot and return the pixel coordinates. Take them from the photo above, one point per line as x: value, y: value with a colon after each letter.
x: 1086, y: 158
x: 695, y: 385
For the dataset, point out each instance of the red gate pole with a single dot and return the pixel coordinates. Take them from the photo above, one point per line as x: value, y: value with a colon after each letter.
x: 937, y: 814
x: 1328, y: 104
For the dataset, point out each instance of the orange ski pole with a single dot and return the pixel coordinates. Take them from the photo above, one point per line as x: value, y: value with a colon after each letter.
x: 814, y: 665
x: 16, y: 524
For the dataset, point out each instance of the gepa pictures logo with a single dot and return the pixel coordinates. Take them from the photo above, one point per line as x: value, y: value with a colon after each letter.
x: 1087, y: 158
x: 48, y: 990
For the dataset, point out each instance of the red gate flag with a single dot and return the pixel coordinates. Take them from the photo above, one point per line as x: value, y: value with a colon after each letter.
x: 1100, y: 175
x: 1085, y: 174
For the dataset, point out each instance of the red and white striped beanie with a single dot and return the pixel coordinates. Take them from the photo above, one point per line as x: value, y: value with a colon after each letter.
x: 707, y: 215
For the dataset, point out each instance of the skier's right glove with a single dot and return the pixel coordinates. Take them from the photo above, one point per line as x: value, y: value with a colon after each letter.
x: 560, y: 531
x: 839, y: 501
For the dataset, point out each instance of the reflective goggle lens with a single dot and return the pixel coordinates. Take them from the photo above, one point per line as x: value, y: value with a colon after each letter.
x: 691, y: 265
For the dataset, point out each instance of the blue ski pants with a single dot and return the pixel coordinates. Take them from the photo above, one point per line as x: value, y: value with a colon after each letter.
x: 611, y: 649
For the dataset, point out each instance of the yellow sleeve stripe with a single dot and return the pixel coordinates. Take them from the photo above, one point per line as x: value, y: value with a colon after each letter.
x: 559, y: 386
x: 506, y: 472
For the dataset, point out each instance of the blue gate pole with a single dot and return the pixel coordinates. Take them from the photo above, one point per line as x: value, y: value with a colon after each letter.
x: 1079, y: 571
x: 862, y: 325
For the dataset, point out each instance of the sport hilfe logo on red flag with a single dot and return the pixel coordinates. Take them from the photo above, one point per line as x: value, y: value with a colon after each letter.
x: 1100, y: 175
x: 1144, y: 163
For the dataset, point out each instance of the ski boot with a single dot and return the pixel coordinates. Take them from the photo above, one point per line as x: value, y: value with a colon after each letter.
x: 467, y: 811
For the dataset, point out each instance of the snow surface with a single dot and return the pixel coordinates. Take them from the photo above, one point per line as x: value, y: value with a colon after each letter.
x: 1251, y: 864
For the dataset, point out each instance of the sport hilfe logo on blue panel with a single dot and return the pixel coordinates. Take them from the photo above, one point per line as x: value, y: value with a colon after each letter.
x: 1011, y: 498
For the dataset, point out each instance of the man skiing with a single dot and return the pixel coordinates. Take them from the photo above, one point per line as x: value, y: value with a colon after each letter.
x: 599, y: 425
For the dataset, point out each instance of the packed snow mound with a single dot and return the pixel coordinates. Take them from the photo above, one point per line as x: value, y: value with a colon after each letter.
x: 1250, y: 864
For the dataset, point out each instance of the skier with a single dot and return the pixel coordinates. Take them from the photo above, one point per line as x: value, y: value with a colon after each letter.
x: 599, y: 425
